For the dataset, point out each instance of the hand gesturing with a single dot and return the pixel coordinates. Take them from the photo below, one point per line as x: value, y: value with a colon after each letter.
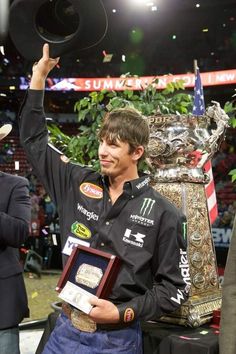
x: 45, y: 64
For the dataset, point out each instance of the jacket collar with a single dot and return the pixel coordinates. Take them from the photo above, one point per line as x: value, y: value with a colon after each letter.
x: 133, y: 187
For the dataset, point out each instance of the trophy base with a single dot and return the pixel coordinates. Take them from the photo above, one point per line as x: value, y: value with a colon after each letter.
x: 196, y: 311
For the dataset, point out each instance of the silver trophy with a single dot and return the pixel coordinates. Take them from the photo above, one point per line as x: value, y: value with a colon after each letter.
x: 179, y: 147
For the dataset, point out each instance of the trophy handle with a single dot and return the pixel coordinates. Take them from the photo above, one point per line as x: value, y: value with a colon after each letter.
x: 217, y: 115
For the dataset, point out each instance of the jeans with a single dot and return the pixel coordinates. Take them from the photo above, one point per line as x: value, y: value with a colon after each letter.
x: 9, y: 341
x: 65, y: 339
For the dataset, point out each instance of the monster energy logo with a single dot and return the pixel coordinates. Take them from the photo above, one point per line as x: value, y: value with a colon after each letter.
x: 184, y: 227
x: 146, y: 207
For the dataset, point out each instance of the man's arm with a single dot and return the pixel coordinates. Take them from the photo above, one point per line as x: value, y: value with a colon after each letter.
x: 172, y: 282
x: 14, y: 225
x: 227, y: 338
x: 45, y: 160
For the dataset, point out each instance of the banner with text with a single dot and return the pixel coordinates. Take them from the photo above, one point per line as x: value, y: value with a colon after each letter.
x: 221, y: 236
x: 212, y: 78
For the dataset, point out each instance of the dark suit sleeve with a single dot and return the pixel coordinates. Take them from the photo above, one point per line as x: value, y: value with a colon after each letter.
x: 227, y: 338
x: 14, y: 225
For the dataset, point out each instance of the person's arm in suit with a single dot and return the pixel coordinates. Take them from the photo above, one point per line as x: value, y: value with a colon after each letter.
x: 14, y: 225
x: 227, y: 338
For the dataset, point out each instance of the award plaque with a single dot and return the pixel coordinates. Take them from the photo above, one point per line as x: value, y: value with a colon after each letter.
x: 88, y: 272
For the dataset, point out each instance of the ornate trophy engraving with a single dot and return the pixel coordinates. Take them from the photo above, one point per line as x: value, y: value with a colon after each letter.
x: 179, y: 147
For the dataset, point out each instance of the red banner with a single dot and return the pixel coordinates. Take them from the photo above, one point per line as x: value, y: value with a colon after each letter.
x: 211, y: 78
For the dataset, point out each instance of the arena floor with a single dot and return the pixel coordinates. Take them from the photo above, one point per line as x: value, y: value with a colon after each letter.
x: 41, y: 295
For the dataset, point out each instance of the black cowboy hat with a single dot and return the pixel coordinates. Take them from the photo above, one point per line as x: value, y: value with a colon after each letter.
x: 66, y: 25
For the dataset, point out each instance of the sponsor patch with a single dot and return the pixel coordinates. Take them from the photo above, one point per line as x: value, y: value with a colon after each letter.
x: 147, y: 206
x: 135, y: 239
x: 179, y: 298
x: 128, y: 315
x: 71, y: 243
x: 91, y: 190
x: 80, y: 230
x: 143, y: 183
x: 184, y: 268
x: 89, y: 214
x: 184, y: 230
x: 144, y: 214
x: 141, y: 220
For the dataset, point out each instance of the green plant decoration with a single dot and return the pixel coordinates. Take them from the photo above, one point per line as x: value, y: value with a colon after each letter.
x: 230, y: 109
x: 82, y: 148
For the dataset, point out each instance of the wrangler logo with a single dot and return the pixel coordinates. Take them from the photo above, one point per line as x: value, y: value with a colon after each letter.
x: 179, y: 297
x: 184, y: 269
x: 91, y: 190
x: 89, y: 214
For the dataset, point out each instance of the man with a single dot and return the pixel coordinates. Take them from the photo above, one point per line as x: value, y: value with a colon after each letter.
x: 14, y: 230
x: 123, y: 216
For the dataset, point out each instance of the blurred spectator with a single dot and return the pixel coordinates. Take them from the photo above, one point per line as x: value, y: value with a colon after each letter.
x: 6, y: 153
x: 226, y: 219
x: 34, y: 199
x: 49, y: 208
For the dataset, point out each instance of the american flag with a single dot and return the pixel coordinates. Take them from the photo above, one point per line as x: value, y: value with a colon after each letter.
x: 199, y: 109
x: 198, y: 105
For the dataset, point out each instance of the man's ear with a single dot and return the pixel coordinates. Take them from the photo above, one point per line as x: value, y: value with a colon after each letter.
x: 138, y: 153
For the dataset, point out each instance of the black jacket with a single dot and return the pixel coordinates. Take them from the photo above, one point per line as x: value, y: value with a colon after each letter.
x: 14, y: 229
x: 142, y: 228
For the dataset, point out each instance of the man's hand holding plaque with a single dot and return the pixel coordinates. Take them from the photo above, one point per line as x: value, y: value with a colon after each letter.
x: 104, y: 311
x: 89, y: 274
x: 76, y: 297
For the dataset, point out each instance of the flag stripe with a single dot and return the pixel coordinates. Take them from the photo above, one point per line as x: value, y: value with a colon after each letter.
x: 211, y: 201
x: 210, y: 193
x: 213, y: 213
x: 207, y: 166
x: 199, y: 109
x: 210, y: 188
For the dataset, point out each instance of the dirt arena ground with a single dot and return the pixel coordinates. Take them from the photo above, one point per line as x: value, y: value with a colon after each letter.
x: 41, y: 294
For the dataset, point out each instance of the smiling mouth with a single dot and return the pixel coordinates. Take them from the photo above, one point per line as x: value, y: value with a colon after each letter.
x: 105, y: 162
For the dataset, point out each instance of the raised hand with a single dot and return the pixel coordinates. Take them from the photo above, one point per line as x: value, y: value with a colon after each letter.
x: 42, y: 68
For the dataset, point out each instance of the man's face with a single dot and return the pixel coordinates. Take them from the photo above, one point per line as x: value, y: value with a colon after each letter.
x: 115, y: 158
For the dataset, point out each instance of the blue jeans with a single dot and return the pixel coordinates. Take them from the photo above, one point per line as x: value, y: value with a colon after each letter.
x: 66, y: 339
x: 9, y: 341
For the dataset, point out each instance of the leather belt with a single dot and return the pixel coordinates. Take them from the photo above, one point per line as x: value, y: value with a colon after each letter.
x: 81, y: 321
